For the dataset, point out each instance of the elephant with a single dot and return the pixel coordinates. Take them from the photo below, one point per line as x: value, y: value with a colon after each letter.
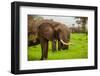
x: 32, y: 31
x: 52, y: 32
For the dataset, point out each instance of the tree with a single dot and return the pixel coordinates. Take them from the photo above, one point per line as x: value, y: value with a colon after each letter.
x: 83, y: 22
x: 78, y: 21
x: 73, y: 25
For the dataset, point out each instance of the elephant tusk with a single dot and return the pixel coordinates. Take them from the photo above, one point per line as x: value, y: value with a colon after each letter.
x: 65, y: 42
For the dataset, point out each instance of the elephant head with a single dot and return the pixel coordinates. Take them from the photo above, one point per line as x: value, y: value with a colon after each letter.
x: 62, y: 33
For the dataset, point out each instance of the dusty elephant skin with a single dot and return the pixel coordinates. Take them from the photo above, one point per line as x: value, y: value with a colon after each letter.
x: 51, y: 32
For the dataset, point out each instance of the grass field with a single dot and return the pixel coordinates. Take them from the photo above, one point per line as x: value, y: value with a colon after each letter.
x: 78, y: 50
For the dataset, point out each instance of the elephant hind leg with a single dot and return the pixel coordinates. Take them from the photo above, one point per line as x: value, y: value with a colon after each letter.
x: 44, y: 46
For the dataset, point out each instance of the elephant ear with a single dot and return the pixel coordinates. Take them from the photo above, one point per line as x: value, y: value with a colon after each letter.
x: 46, y: 31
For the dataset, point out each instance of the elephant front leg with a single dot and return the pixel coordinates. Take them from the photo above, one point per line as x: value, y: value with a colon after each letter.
x: 44, y: 46
x: 54, y: 45
x: 59, y: 45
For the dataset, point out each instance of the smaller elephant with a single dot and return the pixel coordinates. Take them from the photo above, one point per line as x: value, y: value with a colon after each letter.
x: 32, y: 31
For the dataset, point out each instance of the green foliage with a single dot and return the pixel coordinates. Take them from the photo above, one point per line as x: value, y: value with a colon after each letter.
x: 78, y: 50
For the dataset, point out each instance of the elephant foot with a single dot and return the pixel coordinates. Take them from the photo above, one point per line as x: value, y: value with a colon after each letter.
x: 43, y: 59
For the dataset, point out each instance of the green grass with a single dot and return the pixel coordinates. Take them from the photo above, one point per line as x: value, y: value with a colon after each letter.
x: 78, y: 50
